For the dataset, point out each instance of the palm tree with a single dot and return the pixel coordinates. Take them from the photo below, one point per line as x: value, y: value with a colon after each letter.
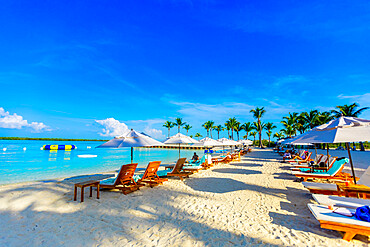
x: 289, y: 131
x: 231, y: 123
x: 227, y: 125
x: 269, y: 127
x: 258, y: 127
x: 348, y: 110
x: 238, y: 127
x: 247, y: 127
x: 311, y: 118
x: 168, y: 125
x: 208, y: 126
x: 187, y: 127
x: 301, y: 123
x: 278, y: 135
x: 218, y: 128
x: 290, y: 124
x: 324, y: 117
x: 179, y: 123
x: 258, y: 114
x: 198, y: 135
x: 253, y: 133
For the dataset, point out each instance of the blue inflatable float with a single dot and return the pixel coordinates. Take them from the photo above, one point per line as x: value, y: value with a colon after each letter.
x: 59, y: 147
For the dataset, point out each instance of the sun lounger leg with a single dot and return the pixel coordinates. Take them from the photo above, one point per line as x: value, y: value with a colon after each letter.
x: 348, y: 236
x: 75, y: 195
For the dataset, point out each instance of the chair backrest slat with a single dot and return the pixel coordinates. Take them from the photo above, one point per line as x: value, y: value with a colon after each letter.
x: 318, y: 158
x: 125, y: 174
x: 151, y: 170
x: 179, y: 164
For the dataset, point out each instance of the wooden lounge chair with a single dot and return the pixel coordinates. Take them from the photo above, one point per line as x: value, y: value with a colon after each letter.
x: 124, y: 180
x: 335, y: 172
x: 339, y: 201
x: 334, y: 189
x: 225, y: 160
x: 150, y: 176
x: 319, y: 159
x: 298, y: 160
x: 333, y: 221
x: 316, y: 168
x: 195, y: 167
x: 177, y: 170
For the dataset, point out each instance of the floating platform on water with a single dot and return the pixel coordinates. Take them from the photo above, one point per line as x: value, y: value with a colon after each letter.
x: 59, y: 147
x: 174, y: 146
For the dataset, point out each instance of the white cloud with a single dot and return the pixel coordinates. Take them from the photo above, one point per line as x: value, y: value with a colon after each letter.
x: 112, y: 127
x: 362, y: 99
x: 290, y: 80
x: 154, y: 133
x: 212, y: 111
x: 14, y: 121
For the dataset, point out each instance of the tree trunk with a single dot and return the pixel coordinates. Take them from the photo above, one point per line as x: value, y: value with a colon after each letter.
x: 169, y: 132
x: 232, y: 134
x: 211, y: 133
x: 218, y: 134
x: 269, y: 142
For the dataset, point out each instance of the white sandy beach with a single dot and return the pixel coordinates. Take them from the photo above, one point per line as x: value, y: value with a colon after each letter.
x: 252, y: 202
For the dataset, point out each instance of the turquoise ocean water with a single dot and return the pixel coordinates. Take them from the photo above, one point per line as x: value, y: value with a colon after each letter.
x: 17, y: 165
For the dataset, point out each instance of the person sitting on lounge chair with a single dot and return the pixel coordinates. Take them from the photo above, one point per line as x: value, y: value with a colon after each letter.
x: 287, y: 155
x: 303, y: 156
x: 195, y: 157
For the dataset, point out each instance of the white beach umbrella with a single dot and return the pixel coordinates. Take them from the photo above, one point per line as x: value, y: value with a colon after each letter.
x: 342, y: 129
x: 180, y: 139
x: 208, y: 142
x: 131, y: 139
x: 293, y: 140
x: 246, y: 142
x: 228, y: 142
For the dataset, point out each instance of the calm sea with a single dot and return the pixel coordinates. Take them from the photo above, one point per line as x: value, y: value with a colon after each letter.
x: 18, y: 165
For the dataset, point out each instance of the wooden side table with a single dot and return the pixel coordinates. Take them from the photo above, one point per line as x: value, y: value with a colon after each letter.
x: 82, y: 185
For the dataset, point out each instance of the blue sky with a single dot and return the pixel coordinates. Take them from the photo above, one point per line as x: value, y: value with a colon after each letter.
x: 65, y: 65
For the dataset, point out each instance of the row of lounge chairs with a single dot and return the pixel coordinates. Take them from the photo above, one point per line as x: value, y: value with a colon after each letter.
x: 128, y: 182
x: 337, y: 194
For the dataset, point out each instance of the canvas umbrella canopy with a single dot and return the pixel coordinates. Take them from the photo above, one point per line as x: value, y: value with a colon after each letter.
x: 246, y: 142
x: 180, y: 139
x: 228, y: 142
x: 131, y: 139
x: 280, y: 141
x: 208, y: 142
x: 342, y: 129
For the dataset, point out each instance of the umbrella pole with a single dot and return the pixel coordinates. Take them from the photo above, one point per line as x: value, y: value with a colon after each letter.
x: 315, y: 149
x: 327, y: 152
x: 179, y: 150
x: 132, y: 155
x: 350, y: 160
